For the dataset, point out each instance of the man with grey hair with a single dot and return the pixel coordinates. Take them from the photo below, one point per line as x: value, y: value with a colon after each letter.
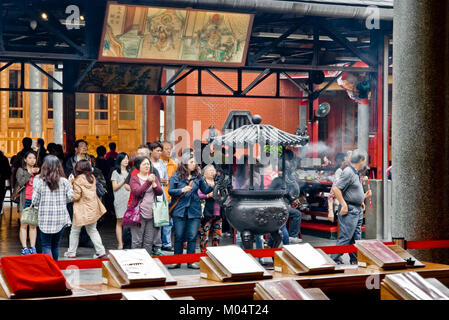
x: 349, y: 192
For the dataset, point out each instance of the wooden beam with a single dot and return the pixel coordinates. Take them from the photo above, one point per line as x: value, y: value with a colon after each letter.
x: 6, y: 66
x: 200, y: 71
x: 49, y: 76
x: 298, y: 85
x: 344, y: 42
x: 44, y: 57
x: 85, y: 72
x: 2, y: 44
x: 261, y: 77
x: 224, y: 84
x: 53, y: 29
x: 31, y: 90
x: 274, y: 44
x: 173, y: 80
x: 293, y: 68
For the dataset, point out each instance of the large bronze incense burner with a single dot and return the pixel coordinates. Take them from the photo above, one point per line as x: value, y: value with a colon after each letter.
x: 253, y: 211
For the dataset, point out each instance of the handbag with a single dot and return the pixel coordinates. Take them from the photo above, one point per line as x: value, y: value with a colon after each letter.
x: 160, y: 212
x: 131, y: 218
x: 101, y: 191
x: 15, y: 196
x: 30, y: 216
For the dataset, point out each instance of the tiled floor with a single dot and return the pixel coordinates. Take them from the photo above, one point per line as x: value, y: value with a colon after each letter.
x: 10, y: 244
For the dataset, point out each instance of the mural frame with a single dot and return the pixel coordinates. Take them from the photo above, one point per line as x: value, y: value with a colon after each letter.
x: 171, y: 61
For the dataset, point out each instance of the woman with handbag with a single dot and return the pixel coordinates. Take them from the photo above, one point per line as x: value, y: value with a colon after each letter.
x: 87, y: 209
x: 186, y: 204
x: 121, y: 195
x: 24, y: 188
x: 211, y: 222
x: 145, y: 186
x: 51, y: 193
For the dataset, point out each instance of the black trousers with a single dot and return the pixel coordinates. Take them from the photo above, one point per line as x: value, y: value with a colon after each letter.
x: 2, y: 193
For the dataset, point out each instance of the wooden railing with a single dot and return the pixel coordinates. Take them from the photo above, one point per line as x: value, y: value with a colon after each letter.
x: 11, y: 142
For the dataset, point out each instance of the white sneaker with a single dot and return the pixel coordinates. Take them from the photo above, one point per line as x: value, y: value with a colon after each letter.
x: 69, y: 255
x: 294, y: 240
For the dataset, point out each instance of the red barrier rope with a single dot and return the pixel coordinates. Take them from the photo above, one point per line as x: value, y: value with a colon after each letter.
x: 431, y: 244
x: 256, y: 253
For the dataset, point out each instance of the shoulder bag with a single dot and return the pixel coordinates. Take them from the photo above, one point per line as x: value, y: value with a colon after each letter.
x: 160, y: 212
x: 15, y: 196
x: 175, y: 203
x: 30, y: 216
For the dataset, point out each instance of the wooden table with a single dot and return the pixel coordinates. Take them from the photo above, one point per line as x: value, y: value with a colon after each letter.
x: 352, y: 283
x: 336, y: 286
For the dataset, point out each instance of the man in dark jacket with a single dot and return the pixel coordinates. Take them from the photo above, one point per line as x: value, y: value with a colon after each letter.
x: 16, y: 160
x: 81, y: 154
x: 5, y: 174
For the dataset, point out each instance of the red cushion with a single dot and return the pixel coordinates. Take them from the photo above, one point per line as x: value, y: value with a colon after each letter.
x: 34, y: 275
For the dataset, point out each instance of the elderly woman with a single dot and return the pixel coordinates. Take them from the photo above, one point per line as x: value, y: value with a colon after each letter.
x: 211, y: 221
x: 184, y: 186
x: 144, y: 187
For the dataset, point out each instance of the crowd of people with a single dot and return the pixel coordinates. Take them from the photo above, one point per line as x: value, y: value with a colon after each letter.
x: 79, y: 189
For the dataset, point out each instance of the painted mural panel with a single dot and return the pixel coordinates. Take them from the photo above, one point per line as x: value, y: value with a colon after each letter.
x: 141, y: 33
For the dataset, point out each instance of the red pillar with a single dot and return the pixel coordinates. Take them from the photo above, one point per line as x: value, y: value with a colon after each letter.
x: 153, y: 118
x: 380, y: 102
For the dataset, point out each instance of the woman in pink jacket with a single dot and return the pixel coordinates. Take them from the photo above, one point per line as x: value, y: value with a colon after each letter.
x: 144, y: 187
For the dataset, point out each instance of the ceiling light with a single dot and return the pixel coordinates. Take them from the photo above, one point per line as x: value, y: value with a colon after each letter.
x: 44, y: 16
x: 33, y: 24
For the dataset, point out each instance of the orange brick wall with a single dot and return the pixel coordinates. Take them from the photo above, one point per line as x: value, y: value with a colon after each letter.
x: 281, y: 113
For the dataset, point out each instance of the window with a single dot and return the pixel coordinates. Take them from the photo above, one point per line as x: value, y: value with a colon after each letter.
x: 82, y: 106
x: 101, y: 107
x: 127, y: 107
x: 15, y: 97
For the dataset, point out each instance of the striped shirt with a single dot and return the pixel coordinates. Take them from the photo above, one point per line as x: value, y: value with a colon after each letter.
x: 52, y: 205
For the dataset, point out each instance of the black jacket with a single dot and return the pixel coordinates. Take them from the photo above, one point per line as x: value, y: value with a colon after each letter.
x: 5, y: 168
x: 70, y: 167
